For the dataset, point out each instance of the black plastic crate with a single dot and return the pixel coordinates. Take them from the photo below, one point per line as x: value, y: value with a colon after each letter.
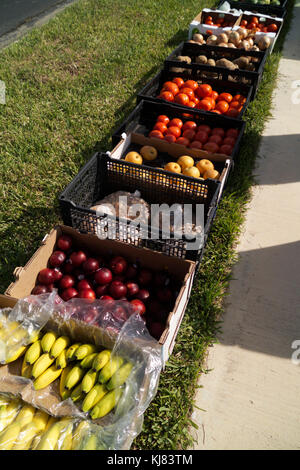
x: 216, y: 52
x: 278, y: 11
x: 143, y: 118
x: 153, y: 87
x: 103, y: 175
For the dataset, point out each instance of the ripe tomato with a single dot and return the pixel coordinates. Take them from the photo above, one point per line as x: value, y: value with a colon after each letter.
x: 232, y: 112
x: 255, y: 20
x: 190, y: 134
x: 196, y: 144
x: 181, y: 98
x: 201, y: 136
x: 252, y: 26
x: 209, y: 22
x: 217, y: 139
x: 182, y: 141
x: 191, y: 104
x: 219, y: 131
x: 229, y: 141
x: 179, y: 81
x: 204, y: 104
x: 211, y: 147
x: 160, y: 126
x: 216, y: 111
x: 232, y: 133
x: 222, y: 106
x: 187, y: 91
x: 191, y: 84
x: 176, y: 122
x: 244, y: 23
x: 203, y: 90
x: 156, y: 134
x: 163, y: 118
x: 174, y: 130
x: 170, y: 138
x: 235, y: 104
x: 237, y: 98
x: 166, y: 95
x: 227, y: 149
x: 225, y: 97
x: 204, y: 128
x: 170, y: 86
x: 214, y: 95
x: 195, y: 100
x: 189, y: 125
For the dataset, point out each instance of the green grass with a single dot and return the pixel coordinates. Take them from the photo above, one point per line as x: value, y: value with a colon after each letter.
x: 68, y: 86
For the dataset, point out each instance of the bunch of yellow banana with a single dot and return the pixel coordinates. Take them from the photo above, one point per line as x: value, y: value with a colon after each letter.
x: 13, y: 334
x: 23, y: 427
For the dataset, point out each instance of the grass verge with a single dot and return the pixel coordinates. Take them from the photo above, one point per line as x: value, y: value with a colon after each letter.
x: 68, y: 86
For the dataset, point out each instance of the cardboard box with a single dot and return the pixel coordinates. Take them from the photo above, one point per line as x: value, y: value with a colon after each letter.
x: 184, y: 271
x: 198, y: 22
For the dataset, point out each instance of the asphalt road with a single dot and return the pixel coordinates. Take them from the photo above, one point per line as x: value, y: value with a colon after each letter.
x: 13, y: 13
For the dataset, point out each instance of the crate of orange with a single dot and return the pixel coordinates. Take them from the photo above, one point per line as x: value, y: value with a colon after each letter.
x: 217, y: 54
x: 162, y: 124
x: 190, y: 90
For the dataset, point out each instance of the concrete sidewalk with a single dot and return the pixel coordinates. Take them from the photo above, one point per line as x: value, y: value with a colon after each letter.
x: 251, y: 395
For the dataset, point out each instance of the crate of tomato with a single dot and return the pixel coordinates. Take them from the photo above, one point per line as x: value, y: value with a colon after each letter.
x: 216, y: 21
x: 224, y: 63
x: 265, y: 27
x: 188, y: 89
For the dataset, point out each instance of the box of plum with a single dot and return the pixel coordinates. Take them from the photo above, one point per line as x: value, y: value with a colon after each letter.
x: 82, y: 266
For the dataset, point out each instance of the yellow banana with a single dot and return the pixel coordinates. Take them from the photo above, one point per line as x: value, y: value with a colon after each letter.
x: 89, y: 380
x: 106, y: 404
x: 78, y: 434
x: 51, y: 420
x: 49, y: 439
x: 73, y: 377
x: 25, y: 438
x: 120, y: 376
x: 40, y: 420
x: 61, y: 360
x: 84, y: 350
x: 71, y: 351
x: 90, y: 443
x: 9, y: 414
x: 47, y: 341
x: 8, y: 328
x: 101, y: 359
x: 15, y: 354
x: 77, y: 393
x: 47, y: 377
x: 25, y: 415
x: 66, y: 437
x: 64, y: 393
x: 33, y: 352
x: 110, y: 368
x: 26, y: 369
x: 60, y: 344
x: 9, y: 436
x: 43, y: 362
x: 87, y: 362
x: 92, y: 398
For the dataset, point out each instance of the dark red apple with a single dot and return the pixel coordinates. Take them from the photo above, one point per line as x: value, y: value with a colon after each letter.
x: 68, y: 294
x: 50, y: 287
x: 77, y: 258
x: 39, y: 289
x: 68, y: 267
x: 90, y: 265
x: 119, y: 277
x: 117, y: 289
x: 138, y: 306
x: 57, y: 274
x: 143, y: 295
x: 64, y: 243
x: 57, y: 259
x: 118, y: 265
x: 132, y: 288
x: 103, y: 276
x: 101, y: 290
x: 87, y: 294
x: 145, y: 277
x: 131, y: 271
x: 106, y: 297
x: 46, y: 276
x: 83, y: 284
x: 67, y: 281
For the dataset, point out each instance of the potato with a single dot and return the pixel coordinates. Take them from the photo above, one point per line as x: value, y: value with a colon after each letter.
x: 222, y: 38
x: 201, y: 59
x: 243, y: 33
x: 226, y: 63
x: 211, y: 62
x: 212, y: 40
x: 234, y: 37
x: 198, y: 38
x: 241, y: 62
x: 223, y: 44
x: 263, y: 43
x: 231, y: 45
x: 184, y: 58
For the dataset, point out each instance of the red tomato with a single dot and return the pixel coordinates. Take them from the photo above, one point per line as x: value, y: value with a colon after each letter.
x: 196, y: 144
x: 183, y: 141
x: 227, y: 149
x: 166, y: 95
x: 203, y: 90
x: 205, y: 128
x: 157, y: 134
x: 235, y: 104
x: 219, y: 131
x: 174, y: 131
x: 196, y: 100
x: 187, y: 91
x: 179, y: 81
x: 181, y: 98
x: 202, y: 137
x: 214, y: 95
x: 229, y: 141
x: 216, y: 111
x: 191, y: 104
x: 170, y: 138
x: 232, y: 113
x: 191, y: 84
x: 232, y: 133
x: 217, y: 139
x: 170, y: 86
x: 176, y: 122
x: 222, y: 106
x: 206, y: 105
x: 225, y: 97
x: 163, y: 118
x: 160, y: 126
x: 189, y: 125
x: 272, y: 28
x: 211, y: 147
x: 190, y: 134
